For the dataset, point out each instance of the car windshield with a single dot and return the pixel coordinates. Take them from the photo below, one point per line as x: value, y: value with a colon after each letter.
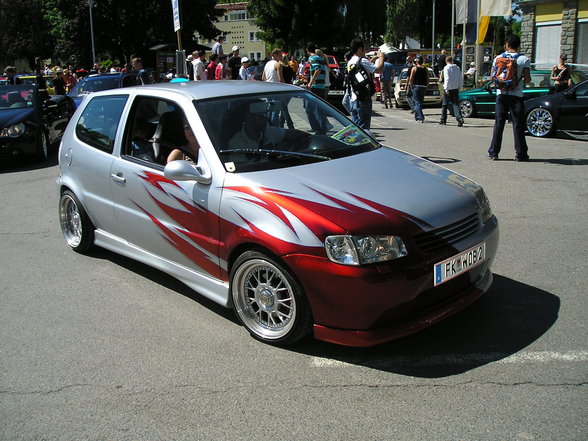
x: 16, y: 97
x: 90, y: 85
x: 263, y: 132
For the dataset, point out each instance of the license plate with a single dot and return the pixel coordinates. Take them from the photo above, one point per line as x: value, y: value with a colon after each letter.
x: 456, y: 265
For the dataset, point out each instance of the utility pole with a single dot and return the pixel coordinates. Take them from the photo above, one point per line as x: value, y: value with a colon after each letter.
x: 90, y: 5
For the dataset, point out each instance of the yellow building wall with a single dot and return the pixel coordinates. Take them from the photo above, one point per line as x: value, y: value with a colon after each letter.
x: 237, y: 33
x: 583, y: 9
x: 548, y: 12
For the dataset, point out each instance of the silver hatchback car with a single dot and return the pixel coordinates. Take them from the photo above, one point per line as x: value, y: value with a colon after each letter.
x: 265, y: 199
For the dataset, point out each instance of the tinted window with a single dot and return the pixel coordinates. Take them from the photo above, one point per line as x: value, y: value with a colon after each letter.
x: 98, y: 123
x: 582, y: 89
x: 262, y: 132
x: 129, y: 80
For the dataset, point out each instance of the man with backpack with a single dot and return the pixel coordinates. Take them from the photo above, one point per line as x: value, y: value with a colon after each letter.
x: 510, y: 70
x: 361, y: 82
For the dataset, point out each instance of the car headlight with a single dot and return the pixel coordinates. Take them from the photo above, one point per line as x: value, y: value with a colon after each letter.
x: 485, y: 209
x: 13, y: 131
x: 358, y: 250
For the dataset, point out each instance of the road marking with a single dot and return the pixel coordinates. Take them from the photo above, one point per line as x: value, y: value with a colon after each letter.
x: 456, y: 359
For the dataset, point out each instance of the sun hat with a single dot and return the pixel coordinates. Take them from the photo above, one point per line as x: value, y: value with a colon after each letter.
x: 244, y: 60
x: 235, y: 48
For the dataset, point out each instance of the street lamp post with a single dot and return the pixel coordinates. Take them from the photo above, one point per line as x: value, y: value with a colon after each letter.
x: 90, y: 5
x: 433, y: 38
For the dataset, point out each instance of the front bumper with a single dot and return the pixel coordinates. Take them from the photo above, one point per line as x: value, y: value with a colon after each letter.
x: 369, y: 305
x: 24, y: 145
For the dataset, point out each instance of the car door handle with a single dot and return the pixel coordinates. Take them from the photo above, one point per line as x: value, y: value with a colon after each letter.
x: 118, y: 178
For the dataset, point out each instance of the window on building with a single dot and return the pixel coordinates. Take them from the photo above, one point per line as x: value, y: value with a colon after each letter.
x: 253, y: 36
x: 582, y: 42
x: 237, y: 15
x: 547, y: 44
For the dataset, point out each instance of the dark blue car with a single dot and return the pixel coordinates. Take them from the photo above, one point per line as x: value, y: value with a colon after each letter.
x: 29, y: 125
x: 95, y: 83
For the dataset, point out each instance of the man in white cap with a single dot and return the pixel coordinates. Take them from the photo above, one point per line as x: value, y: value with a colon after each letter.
x: 243, y: 72
x: 234, y: 63
x: 471, y: 72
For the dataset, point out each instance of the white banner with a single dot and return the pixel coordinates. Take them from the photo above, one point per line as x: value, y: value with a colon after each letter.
x: 460, y: 11
x: 494, y: 8
x: 176, y: 15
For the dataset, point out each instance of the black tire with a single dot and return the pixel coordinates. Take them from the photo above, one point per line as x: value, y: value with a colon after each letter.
x: 540, y: 122
x: 42, y: 148
x: 466, y: 107
x: 76, y: 226
x: 268, y: 300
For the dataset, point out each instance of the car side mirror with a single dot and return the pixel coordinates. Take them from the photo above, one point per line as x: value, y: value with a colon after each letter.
x: 181, y: 170
x: 570, y: 94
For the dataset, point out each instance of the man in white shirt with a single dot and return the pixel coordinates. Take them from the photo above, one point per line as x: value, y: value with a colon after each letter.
x: 361, y: 110
x: 272, y: 70
x: 200, y: 73
x: 452, y: 82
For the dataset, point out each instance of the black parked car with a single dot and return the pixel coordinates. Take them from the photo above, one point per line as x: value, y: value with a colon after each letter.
x: 29, y: 126
x: 564, y: 113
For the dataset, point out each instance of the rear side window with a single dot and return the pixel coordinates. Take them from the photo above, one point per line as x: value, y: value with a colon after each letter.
x: 129, y: 80
x: 99, y: 122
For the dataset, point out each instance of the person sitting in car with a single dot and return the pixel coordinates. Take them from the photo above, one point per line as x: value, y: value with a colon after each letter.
x: 255, y: 133
x: 185, y: 141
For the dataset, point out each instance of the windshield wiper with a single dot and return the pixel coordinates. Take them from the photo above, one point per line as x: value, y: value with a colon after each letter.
x: 276, y: 153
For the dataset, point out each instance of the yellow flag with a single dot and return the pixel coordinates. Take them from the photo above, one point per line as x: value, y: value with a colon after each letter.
x: 483, y: 29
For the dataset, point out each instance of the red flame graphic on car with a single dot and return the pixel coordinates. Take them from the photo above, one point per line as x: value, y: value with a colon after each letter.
x: 205, y: 229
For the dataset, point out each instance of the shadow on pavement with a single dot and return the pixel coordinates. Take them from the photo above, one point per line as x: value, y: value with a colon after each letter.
x: 508, y: 318
x: 26, y: 164
x: 162, y: 279
x: 562, y: 161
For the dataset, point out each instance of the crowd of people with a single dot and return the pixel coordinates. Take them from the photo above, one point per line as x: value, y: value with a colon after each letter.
x: 312, y: 72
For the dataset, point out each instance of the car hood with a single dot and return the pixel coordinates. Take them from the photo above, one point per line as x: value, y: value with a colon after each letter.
x: 13, y: 116
x: 365, y: 193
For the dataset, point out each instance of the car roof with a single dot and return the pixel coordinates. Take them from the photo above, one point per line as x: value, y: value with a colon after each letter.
x: 201, y: 90
x: 108, y: 74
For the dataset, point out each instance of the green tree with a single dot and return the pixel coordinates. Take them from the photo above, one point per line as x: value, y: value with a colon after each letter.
x: 121, y: 29
x: 290, y: 25
x: 22, y: 35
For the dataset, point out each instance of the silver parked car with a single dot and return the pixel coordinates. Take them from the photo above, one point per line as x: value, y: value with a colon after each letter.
x: 267, y: 200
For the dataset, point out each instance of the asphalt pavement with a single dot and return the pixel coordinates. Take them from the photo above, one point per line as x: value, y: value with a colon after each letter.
x: 99, y: 347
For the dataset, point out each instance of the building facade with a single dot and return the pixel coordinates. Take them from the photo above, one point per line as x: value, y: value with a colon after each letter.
x: 550, y: 29
x: 239, y: 29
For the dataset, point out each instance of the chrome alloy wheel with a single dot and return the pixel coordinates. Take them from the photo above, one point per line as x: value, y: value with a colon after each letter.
x: 539, y: 122
x: 466, y: 108
x: 264, y: 299
x: 71, y: 221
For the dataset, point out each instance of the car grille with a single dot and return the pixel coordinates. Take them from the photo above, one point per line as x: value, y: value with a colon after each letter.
x: 444, y: 236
